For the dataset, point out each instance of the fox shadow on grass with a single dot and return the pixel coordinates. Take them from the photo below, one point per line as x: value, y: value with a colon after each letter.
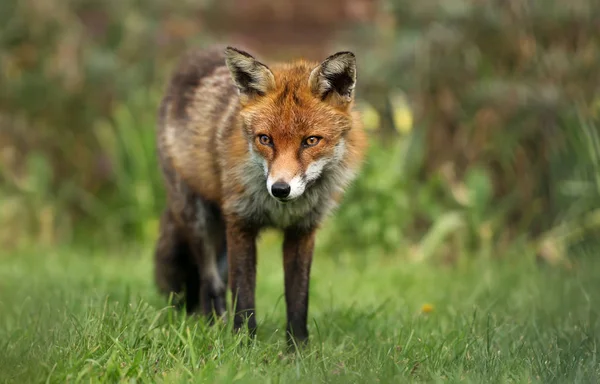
x: 329, y: 325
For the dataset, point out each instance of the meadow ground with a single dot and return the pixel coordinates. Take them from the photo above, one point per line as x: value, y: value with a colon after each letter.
x: 94, y: 316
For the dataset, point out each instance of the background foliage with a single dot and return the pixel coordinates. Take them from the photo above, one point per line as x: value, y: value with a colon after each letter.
x: 500, y: 148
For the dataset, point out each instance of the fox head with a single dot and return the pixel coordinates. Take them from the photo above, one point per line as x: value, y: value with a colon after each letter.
x: 295, y: 117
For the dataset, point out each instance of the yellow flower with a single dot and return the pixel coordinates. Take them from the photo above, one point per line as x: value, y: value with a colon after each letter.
x: 427, y: 308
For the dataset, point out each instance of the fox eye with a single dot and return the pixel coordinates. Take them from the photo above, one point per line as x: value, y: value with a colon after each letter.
x: 264, y: 140
x: 311, y: 141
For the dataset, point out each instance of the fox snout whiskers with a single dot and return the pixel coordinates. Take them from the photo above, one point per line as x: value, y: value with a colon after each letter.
x: 284, y: 190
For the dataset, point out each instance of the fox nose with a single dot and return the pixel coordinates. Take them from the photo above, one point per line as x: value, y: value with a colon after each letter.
x: 280, y: 189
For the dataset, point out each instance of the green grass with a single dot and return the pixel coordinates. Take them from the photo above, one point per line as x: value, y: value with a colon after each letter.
x: 94, y: 316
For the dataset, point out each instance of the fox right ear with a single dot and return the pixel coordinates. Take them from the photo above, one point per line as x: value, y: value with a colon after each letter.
x: 250, y: 76
x: 334, y: 79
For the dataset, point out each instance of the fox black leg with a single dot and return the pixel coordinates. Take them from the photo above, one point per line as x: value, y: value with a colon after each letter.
x: 297, y: 259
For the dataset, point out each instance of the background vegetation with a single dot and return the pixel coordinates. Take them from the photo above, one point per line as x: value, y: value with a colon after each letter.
x: 500, y: 144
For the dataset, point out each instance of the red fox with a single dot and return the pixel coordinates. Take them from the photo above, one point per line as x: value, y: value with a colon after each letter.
x: 243, y: 147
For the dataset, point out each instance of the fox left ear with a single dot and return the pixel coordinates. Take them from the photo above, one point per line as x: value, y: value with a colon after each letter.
x: 334, y: 79
x: 249, y: 75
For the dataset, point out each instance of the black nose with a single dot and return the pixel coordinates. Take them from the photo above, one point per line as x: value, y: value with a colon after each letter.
x: 280, y: 189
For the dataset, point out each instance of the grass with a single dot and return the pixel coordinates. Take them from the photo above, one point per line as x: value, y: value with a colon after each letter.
x: 94, y: 316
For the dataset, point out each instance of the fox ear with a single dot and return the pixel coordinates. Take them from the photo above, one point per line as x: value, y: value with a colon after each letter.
x: 334, y: 79
x: 250, y: 76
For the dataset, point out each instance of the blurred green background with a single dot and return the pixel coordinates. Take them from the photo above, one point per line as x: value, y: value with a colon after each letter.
x: 483, y: 118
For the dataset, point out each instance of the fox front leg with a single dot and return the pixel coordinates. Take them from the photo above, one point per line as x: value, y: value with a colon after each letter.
x: 297, y: 259
x: 241, y: 254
